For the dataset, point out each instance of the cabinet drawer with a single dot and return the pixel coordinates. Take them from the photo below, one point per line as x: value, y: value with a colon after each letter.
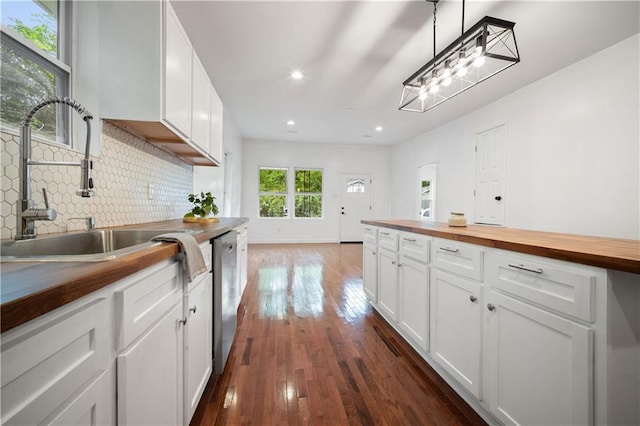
x: 370, y: 235
x: 388, y: 239
x: 568, y: 289
x: 148, y: 295
x: 459, y: 258
x: 44, y: 364
x: 415, y: 246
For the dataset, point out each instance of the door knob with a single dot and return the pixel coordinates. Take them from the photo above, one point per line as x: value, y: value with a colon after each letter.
x: 491, y: 307
x: 473, y: 298
x: 498, y: 197
x: 341, y: 212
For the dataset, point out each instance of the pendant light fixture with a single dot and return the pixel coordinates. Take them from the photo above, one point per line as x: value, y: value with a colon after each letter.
x: 482, y: 51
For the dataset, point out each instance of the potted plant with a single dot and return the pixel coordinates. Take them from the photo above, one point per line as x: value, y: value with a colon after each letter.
x: 204, y: 208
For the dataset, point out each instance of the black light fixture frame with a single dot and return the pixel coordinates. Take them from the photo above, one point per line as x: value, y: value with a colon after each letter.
x: 479, y: 32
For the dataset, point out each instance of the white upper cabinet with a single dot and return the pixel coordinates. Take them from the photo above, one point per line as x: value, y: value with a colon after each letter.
x: 201, y: 111
x: 151, y: 81
x: 178, y: 75
x: 216, y: 111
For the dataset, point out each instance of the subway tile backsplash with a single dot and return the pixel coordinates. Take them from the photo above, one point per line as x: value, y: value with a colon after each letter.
x: 135, y: 182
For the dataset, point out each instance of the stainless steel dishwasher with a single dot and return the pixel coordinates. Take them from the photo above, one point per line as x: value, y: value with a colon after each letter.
x: 225, y: 297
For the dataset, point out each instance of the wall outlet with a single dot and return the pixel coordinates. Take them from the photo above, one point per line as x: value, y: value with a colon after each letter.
x: 151, y: 191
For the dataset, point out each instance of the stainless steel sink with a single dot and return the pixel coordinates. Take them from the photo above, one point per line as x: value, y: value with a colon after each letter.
x: 92, y: 246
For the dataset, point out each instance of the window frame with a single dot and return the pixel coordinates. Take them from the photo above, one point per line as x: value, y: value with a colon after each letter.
x: 277, y: 193
x: 59, y: 65
x: 321, y: 194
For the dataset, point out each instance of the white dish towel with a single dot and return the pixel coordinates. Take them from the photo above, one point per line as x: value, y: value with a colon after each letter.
x: 194, y: 263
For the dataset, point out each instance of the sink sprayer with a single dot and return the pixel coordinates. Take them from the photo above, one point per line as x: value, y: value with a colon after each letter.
x: 27, y: 213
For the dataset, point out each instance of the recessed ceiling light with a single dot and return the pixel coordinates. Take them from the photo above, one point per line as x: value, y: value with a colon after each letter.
x: 297, y: 75
x: 378, y: 128
x: 290, y: 123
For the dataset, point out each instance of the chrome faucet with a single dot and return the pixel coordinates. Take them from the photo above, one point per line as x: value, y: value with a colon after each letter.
x: 26, y: 210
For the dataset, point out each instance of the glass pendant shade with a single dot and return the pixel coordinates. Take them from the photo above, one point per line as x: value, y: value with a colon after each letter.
x: 481, y: 52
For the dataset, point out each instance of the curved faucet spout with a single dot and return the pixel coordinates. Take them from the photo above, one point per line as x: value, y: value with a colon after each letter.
x: 27, y: 214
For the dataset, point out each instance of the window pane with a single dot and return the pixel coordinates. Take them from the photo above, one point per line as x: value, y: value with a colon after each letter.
x: 308, y: 205
x: 273, y: 180
x: 273, y: 206
x: 35, y: 21
x: 308, y: 180
x: 355, y: 185
x: 425, y: 201
x: 23, y: 83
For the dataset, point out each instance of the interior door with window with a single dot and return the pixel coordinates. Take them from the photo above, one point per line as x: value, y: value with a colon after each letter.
x: 427, y: 192
x: 355, y: 205
x: 490, y: 176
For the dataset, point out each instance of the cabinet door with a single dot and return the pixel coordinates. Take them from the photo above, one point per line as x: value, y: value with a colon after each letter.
x: 198, y: 343
x: 201, y: 101
x: 177, y: 68
x: 216, y: 147
x: 96, y: 405
x: 388, y: 283
x: 150, y: 375
x: 370, y: 272
x: 414, y: 300
x: 539, y: 365
x: 456, y: 328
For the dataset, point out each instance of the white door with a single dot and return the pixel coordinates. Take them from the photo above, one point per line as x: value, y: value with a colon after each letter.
x: 355, y: 205
x: 414, y: 300
x: 490, y: 176
x: 370, y: 272
x: 427, y: 192
x: 540, y: 366
x: 198, y: 344
x: 149, y: 373
x: 388, y: 283
x: 456, y: 328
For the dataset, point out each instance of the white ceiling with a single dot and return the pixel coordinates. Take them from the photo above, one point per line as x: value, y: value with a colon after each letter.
x: 356, y: 54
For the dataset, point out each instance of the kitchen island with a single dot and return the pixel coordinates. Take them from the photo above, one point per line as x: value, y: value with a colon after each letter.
x: 528, y: 327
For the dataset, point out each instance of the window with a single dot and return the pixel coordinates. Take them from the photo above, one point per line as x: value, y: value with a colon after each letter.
x: 273, y: 192
x: 355, y: 185
x: 308, y: 196
x: 35, y: 65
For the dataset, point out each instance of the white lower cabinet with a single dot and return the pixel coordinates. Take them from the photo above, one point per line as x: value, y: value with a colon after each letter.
x: 242, y: 259
x: 370, y: 272
x: 198, y: 342
x: 413, y: 280
x: 456, y: 328
x: 388, y: 283
x: 49, y: 363
x: 540, y: 365
x: 150, y: 375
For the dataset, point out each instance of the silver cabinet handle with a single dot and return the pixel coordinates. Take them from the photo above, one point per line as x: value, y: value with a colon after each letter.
x: 410, y: 240
x: 449, y: 249
x: 393, y: 262
x: 473, y: 298
x: 373, y: 253
x: 193, y: 309
x: 384, y: 233
x: 491, y: 307
x: 524, y: 268
x: 367, y: 229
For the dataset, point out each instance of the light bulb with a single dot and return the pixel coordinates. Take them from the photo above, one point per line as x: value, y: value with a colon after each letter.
x: 446, y: 81
x: 434, y: 87
x: 462, y: 71
x: 423, y: 92
x: 479, y: 61
x: 297, y: 75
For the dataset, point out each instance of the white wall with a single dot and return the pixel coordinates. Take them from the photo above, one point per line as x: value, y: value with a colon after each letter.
x: 334, y: 160
x: 213, y: 178
x: 572, y: 151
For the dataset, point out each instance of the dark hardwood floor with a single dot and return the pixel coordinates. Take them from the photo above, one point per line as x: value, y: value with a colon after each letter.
x: 311, y: 350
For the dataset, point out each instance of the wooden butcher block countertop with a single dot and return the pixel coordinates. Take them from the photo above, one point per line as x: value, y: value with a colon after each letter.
x: 29, y: 290
x: 609, y: 253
